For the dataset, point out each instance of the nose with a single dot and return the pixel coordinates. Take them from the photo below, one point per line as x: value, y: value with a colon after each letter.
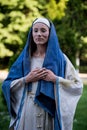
x: 39, y: 33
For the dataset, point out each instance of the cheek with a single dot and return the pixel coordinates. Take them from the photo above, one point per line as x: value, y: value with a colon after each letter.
x: 33, y: 35
x: 46, y: 36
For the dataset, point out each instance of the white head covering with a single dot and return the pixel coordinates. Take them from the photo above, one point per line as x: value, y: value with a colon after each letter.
x: 42, y: 20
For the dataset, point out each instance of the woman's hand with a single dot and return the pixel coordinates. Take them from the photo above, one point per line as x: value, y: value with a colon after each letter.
x: 35, y: 75
x: 40, y: 73
x: 50, y: 76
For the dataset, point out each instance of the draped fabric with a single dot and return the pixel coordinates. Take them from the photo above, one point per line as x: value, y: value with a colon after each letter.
x: 54, y: 60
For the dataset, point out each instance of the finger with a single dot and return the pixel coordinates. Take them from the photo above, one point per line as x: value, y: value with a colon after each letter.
x: 39, y: 72
x: 43, y: 76
x: 42, y: 73
x: 43, y: 68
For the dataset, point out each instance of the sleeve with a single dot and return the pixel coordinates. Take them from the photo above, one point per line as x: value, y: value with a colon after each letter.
x: 17, y: 84
x: 70, y: 91
x: 72, y: 82
x: 16, y: 90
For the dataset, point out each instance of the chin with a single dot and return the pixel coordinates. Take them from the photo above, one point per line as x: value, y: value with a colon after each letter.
x: 40, y: 43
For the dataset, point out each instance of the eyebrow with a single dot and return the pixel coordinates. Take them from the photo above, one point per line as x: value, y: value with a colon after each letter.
x: 40, y: 28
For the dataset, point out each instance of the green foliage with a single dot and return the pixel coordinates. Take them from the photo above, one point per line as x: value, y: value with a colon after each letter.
x: 5, y: 50
x: 56, y: 10
x: 4, y: 116
x: 72, y: 30
x: 16, y: 18
x: 69, y: 17
x: 81, y: 116
x: 3, y: 107
x: 77, y: 21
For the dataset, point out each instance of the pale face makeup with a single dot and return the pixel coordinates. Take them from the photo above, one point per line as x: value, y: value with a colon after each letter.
x: 40, y: 33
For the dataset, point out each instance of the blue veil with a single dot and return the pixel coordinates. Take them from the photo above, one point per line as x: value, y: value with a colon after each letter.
x: 54, y: 60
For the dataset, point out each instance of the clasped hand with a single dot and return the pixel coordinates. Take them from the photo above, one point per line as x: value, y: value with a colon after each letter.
x: 40, y: 73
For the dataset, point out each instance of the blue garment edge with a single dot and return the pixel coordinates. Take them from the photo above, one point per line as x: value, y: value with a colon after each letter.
x: 21, y: 105
x: 54, y: 61
x: 57, y: 100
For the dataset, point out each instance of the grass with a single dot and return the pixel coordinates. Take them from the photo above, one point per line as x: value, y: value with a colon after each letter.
x: 4, y: 116
x: 80, y: 120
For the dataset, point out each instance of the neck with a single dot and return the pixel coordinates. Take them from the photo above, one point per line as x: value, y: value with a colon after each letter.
x: 40, y: 52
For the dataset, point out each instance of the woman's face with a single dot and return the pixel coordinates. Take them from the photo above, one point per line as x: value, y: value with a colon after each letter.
x: 40, y: 33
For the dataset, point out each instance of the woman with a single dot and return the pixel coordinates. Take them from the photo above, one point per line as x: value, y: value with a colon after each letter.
x: 42, y: 88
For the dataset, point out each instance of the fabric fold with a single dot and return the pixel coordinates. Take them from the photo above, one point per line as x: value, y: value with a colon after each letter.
x: 54, y: 61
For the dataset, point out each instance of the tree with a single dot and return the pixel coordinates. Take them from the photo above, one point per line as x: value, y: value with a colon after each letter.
x: 70, y: 20
x: 16, y: 17
x: 68, y: 16
x: 72, y: 30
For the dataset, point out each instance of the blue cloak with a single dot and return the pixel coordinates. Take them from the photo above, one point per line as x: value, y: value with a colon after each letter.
x: 55, y: 61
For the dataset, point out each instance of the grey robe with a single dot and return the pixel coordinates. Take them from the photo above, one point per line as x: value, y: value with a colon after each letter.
x: 35, y: 118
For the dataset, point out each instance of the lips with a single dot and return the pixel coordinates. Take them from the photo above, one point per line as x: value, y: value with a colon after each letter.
x: 39, y: 39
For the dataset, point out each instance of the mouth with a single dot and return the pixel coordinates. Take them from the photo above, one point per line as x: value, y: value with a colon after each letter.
x: 39, y: 39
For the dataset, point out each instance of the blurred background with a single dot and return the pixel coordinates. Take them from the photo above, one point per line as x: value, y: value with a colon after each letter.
x: 70, y: 20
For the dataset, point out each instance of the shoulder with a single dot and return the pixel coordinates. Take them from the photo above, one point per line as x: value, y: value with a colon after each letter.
x: 70, y: 69
x: 66, y: 58
x: 68, y: 62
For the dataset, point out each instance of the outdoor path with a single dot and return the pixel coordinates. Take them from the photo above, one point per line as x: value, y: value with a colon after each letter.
x: 83, y: 76
x: 4, y: 73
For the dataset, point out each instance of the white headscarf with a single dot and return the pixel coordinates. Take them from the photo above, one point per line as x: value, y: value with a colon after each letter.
x: 42, y: 20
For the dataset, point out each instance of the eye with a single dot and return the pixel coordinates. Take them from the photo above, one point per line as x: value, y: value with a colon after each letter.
x: 43, y: 30
x: 35, y: 30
